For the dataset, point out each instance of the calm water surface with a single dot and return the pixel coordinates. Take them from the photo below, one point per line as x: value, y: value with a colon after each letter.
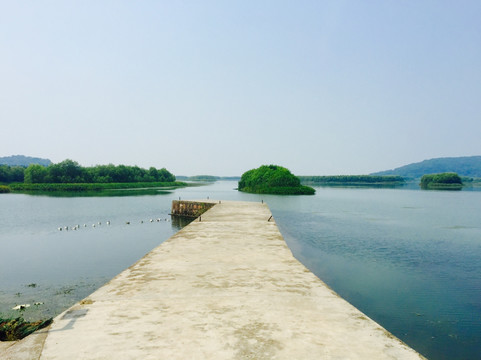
x: 409, y: 259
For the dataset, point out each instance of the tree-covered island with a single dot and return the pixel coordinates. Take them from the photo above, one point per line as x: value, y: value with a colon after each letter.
x: 272, y: 179
x: 442, y: 181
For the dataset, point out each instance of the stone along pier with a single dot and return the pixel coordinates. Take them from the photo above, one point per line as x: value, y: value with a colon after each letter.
x: 225, y: 287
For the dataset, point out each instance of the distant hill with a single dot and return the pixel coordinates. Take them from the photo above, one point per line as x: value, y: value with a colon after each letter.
x: 21, y: 160
x: 469, y: 166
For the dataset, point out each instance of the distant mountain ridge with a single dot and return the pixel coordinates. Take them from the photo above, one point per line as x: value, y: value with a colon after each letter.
x: 21, y: 160
x: 469, y: 166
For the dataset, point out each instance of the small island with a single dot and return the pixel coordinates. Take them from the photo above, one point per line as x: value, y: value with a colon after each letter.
x: 273, y: 179
x: 442, y: 181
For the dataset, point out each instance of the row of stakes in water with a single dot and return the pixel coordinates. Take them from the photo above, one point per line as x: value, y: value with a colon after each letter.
x: 76, y: 227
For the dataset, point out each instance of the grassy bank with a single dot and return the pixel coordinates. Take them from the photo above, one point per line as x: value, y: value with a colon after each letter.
x: 22, y: 187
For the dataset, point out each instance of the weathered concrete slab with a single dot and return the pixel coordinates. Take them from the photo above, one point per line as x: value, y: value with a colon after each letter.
x: 227, y: 287
x: 28, y: 348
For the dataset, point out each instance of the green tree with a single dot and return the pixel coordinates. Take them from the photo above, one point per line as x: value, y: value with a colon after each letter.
x: 67, y: 171
x: 35, y: 173
x: 165, y: 175
x: 9, y: 174
x: 153, y: 174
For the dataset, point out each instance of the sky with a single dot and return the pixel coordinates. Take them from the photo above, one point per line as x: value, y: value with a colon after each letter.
x: 221, y: 87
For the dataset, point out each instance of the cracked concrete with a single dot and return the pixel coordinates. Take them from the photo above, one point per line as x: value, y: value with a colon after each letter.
x: 227, y: 287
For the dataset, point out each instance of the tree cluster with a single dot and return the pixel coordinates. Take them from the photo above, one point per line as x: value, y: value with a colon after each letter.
x: 272, y: 179
x: 440, y: 180
x: 9, y: 174
x: 69, y: 171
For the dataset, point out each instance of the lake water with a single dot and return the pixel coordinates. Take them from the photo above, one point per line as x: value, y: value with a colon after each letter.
x: 409, y: 259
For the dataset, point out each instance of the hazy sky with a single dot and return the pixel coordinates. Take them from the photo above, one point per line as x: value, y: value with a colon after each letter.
x: 221, y: 87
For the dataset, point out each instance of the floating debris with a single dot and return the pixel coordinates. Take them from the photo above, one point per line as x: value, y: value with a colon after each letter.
x: 38, y: 303
x: 21, y: 307
x: 65, y: 291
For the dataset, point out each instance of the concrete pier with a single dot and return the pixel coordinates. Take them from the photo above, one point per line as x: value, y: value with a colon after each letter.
x: 226, y: 287
x: 191, y: 209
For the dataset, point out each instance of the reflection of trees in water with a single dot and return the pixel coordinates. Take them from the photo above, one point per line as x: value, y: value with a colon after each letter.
x: 178, y: 222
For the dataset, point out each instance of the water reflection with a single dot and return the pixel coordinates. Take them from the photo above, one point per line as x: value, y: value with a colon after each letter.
x: 101, y: 193
x: 178, y: 222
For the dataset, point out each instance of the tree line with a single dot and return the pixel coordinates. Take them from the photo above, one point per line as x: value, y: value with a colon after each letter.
x: 69, y: 171
x: 10, y: 174
x: 352, y: 179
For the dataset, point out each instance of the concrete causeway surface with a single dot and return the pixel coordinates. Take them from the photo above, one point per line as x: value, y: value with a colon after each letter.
x: 225, y: 287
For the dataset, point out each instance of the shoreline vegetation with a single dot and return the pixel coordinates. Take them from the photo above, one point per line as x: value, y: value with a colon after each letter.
x: 49, y: 187
x: 353, y: 180
x: 69, y: 176
x: 273, y: 179
x: 69, y: 171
